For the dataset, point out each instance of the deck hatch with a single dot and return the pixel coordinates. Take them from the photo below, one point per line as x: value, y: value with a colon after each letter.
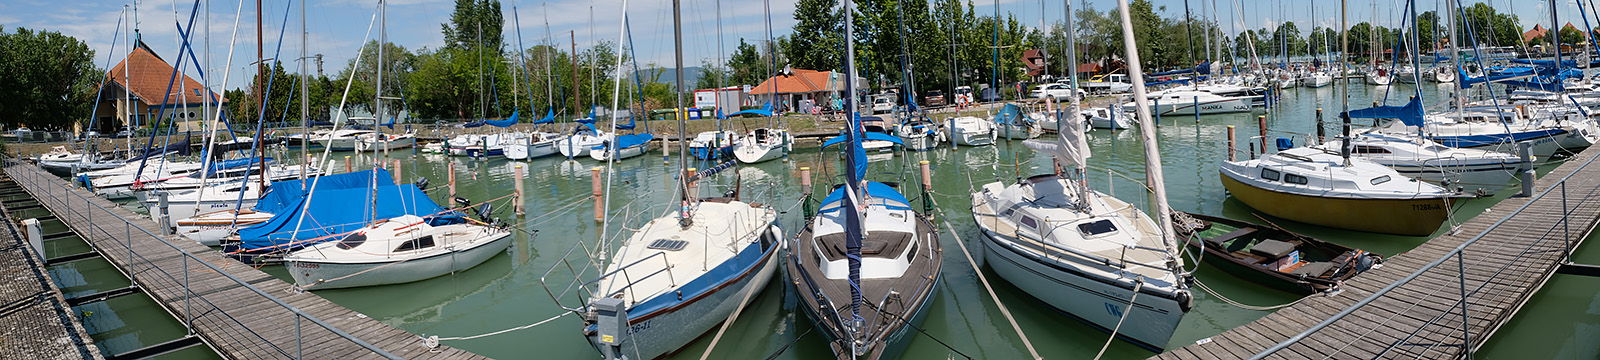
x: 668, y: 244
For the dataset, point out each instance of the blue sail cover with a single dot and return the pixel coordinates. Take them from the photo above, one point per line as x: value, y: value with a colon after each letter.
x: 1203, y: 68
x: 549, y: 117
x: 337, y: 211
x: 1010, y: 114
x: 888, y: 196
x: 470, y: 125
x: 504, y: 123
x: 1545, y: 63
x: 390, y: 124
x: 284, y: 194
x: 587, y: 120
x: 628, y: 141
x: 1493, y: 76
x: 1410, y: 114
x: 765, y: 110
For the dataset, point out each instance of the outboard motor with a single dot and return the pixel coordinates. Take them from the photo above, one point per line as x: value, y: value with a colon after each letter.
x: 422, y: 183
x: 484, y: 210
x: 463, y: 202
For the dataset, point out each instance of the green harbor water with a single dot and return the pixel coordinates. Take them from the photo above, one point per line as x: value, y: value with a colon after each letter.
x: 507, y: 292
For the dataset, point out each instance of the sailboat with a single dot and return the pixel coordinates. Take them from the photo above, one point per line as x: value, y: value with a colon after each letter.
x: 1088, y: 254
x: 866, y: 266
x: 694, y: 266
x: 1011, y: 123
x: 762, y: 144
x: 970, y: 131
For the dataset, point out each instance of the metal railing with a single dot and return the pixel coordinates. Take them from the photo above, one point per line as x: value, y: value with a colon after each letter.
x: 1493, y: 288
x: 205, y: 303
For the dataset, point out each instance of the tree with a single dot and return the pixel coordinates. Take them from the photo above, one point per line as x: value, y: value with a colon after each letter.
x: 469, y: 17
x: 49, y: 80
x: 1571, y: 36
x: 746, y: 66
x: 816, y: 43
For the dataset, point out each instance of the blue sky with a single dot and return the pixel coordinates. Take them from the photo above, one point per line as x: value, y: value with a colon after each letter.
x: 337, y: 27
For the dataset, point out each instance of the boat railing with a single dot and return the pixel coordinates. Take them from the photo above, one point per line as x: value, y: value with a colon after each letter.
x: 571, y: 286
x: 166, y: 275
x: 629, y: 281
x: 1552, y: 243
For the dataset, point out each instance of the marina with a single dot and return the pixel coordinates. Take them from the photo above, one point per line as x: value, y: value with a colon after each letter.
x: 1239, y: 195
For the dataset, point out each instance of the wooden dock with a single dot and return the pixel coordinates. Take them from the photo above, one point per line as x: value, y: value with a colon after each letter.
x: 36, y: 320
x: 1422, y: 318
x: 239, y: 311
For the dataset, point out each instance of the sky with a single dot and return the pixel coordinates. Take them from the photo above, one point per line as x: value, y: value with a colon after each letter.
x: 336, y: 28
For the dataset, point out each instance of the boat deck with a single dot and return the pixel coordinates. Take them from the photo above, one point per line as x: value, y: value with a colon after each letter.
x: 912, y: 288
x: 1422, y: 318
x: 36, y: 318
x: 239, y: 311
x: 985, y: 214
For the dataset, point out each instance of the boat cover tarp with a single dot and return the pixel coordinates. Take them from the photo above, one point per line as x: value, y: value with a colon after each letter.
x: 504, y: 123
x: 765, y: 110
x: 628, y: 141
x: 391, y: 122
x: 283, y: 194
x: 890, y: 197
x: 336, y: 211
x: 1011, y: 114
x: 1203, y: 68
x: 587, y: 120
x: 1410, y: 114
x: 1545, y: 63
x: 549, y: 117
x: 470, y: 125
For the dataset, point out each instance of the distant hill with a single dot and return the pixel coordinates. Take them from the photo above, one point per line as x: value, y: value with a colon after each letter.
x: 691, y: 75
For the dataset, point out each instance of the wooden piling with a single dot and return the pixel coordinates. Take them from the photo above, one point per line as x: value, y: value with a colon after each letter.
x: 398, y: 175
x: 599, y: 196
x: 451, y: 169
x: 1321, y: 131
x: 1231, y: 146
x: 927, y: 176
x: 347, y: 163
x: 517, y: 202
x: 1261, y: 121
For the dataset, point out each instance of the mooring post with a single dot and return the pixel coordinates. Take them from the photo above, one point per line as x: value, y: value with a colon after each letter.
x: 450, y: 168
x: 1231, y: 147
x: 1525, y: 150
x: 927, y: 187
x: 347, y: 164
x: 1157, y: 110
x: 398, y: 173
x: 1374, y: 120
x: 1261, y: 121
x: 164, y: 218
x: 694, y: 184
x: 1197, y: 109
x: 517, y: 203
x: 1320, y: 131
x: 599, y: 196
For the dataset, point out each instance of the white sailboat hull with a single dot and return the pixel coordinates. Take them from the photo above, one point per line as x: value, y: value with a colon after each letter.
x: 310, y: 273
x: 669, y: 331
x: 530, y: 151
x: 1151, y: 320
x: 603, y: 155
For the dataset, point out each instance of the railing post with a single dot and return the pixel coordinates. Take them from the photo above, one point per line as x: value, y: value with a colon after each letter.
x: 188, y: 312
x: 299, y: 350
x: 1466, y: 336
x: 1566, y: 224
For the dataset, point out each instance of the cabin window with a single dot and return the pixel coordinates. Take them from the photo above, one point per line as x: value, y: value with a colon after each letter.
x: 1097, y: 228
x: 352, y: 241
x: 1365, y: 149
x: 1009, y: 212
x: 1294, y: 179
x: 1030, y: 222
x: 1269, y: 174
x: 416, y: 244
x: 1380, y: 179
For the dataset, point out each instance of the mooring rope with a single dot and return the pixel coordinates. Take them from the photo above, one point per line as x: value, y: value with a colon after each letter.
x: 1240, y: 305
x: 432, y: 342
x: 1136, y: 287
x: 985, y: 281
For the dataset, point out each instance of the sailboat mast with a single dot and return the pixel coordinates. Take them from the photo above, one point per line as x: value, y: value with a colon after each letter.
x: 305, y: 106
x: 383, y: 38
x: 853, y: 185
x: 1147, y: 132
x: 1072, y: 112
x: 685, y: 218
x: 261, y: 100
x: 1344, y: 86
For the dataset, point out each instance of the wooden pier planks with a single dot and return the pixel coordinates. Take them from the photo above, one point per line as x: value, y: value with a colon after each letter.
x: 35, y: 320
x: 1422, y: 319
x: 233, y: 320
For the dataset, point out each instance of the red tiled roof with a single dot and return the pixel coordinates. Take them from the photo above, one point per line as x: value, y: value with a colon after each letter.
x: 149, y: 77
x: 798, y: 81
x: 1537, y: 31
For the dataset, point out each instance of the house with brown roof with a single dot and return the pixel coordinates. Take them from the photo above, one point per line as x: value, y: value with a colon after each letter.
x: 1537, y: 31
x: 137, y: 90
x: 792, y: 88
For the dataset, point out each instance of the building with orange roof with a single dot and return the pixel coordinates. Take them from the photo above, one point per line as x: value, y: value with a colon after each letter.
x: 136, y: 91
x: 1537, y: 31
x: 792, y: 88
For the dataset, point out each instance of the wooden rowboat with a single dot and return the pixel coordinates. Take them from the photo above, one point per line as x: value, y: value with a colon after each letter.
x: 1272, y: 255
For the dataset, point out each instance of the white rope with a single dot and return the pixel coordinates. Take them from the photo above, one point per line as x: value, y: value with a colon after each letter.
x: 1136, y: 286
x: 1225, y: 299
x: 433, y: 341
x: 985, y: 281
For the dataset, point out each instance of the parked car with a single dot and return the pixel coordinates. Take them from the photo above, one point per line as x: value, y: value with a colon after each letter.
x: 934, y: 98
x: 964, y: 95
x: 882, y: 104
x: 988, y: 95
x: 1109, y: 83
x: 1055, y: 91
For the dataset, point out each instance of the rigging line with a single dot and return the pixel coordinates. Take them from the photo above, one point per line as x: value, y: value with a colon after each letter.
x: 1240, y: 305
x: 985, y: 281
x: 790, y: 344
